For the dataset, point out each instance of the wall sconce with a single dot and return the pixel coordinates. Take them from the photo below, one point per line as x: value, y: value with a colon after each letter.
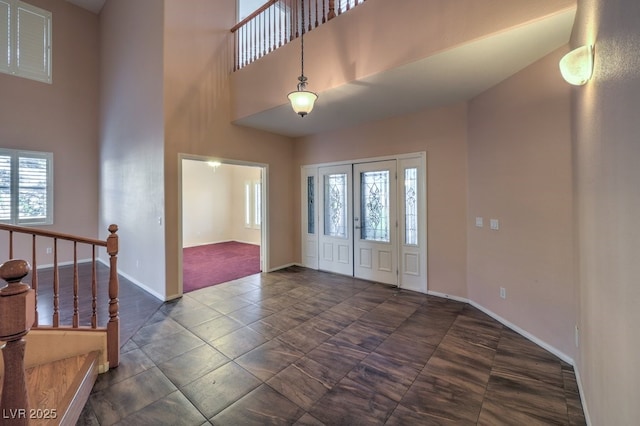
x: 577, y: 66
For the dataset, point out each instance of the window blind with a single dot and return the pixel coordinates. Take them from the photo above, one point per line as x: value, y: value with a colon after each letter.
x: 25, y: 40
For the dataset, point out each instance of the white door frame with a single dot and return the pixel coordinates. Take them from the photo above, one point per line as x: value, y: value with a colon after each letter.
x: 264, y: 210
x: 416, y: 276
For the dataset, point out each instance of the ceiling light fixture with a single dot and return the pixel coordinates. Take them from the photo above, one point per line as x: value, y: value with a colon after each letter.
x: 302, y: 100
x: 214, y: 164
x: 577, y: 66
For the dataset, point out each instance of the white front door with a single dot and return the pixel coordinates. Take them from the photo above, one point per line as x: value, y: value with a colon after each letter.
x: 375, y: 222
x: 335, y: 240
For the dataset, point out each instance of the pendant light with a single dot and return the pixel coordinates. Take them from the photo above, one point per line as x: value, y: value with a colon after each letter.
x: 302, y: 100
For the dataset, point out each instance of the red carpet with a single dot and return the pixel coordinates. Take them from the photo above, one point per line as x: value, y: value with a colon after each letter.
x: 207, y: 265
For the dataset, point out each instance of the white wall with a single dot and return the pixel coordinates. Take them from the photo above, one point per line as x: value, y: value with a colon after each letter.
x: 213, y: 203
x: 131, y: 187
x: 606, y: 152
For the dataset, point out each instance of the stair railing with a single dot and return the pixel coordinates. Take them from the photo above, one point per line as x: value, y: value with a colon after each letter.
x: 111, y: 244
x: 278, y: 22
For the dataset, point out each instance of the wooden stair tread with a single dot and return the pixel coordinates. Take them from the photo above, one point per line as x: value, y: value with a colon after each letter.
x: 60, y: 389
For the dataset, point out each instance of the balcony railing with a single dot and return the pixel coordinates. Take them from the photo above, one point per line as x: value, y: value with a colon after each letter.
x: 278, y: 22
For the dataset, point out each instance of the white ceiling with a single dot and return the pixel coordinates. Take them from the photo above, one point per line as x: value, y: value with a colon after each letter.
x: 452, y: 76
x: 94, y: 6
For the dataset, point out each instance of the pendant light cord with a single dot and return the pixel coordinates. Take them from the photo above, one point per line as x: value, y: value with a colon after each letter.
x: 302, y: 42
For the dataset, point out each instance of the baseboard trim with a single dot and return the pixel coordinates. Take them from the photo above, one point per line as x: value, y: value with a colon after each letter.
x: 143, y: 286
x: 566, y: 358
x: 69, y: 263
x: 277, y: 268
x: 582, y: 398
x: 138, y: 283
x: 530, y: 337
x: 512, y: 326
x: 447, y: 296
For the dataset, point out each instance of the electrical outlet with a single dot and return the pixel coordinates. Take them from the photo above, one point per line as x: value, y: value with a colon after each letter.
x: 494, y: 224
x: 479, y: 222
x: 503, y: 293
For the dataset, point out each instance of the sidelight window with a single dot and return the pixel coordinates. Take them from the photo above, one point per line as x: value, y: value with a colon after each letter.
x: 411, y: 206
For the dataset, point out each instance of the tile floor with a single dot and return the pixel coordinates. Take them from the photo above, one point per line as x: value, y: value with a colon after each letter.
x: 304, y: 347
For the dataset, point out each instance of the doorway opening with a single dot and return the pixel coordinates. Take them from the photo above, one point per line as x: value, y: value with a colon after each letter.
x: 223, y: 224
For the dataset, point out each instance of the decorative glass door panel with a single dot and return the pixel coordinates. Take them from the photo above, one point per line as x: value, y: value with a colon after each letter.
x: 335, y: 207
x: 335, y: 238
x: 374, y: 206
x: 375, y: 245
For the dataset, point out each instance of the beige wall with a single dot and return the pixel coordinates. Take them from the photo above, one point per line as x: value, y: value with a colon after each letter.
x: 520, y: 173
x: 197, y: 64
x: 132, y: 136
x: 61, y: 118
x: 213, y: 203
x: 442, y: 134
x: 607, y: 149
x: 206, y: 201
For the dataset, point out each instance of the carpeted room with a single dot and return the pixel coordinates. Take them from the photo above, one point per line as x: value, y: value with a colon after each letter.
x: 221, y: 222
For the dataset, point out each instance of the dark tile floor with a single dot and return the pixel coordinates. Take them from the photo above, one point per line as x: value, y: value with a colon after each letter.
x: 309, y: 348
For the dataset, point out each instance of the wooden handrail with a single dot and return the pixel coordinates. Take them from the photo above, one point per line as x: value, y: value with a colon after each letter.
x: 111, y: 243
x: 51, y: 234
x: 255, y: 13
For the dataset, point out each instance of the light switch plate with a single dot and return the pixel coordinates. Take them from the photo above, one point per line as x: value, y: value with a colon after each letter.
x: 479, y: 222
x: 495, y: 224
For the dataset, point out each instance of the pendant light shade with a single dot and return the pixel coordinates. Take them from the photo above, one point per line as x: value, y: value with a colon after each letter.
x: 302, y: 100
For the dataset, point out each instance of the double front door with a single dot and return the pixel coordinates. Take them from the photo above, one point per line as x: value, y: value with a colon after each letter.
x: 362, y: 219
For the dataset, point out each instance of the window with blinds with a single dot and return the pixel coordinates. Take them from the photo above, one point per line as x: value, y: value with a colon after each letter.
x: 26, y: 187
x: 25, y: 40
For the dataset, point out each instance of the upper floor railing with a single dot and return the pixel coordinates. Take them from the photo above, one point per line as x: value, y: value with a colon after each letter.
x: 278, y: 22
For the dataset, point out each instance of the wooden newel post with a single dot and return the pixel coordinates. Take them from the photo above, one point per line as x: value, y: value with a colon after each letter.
x: 17, y: 314
x: 113, y: 326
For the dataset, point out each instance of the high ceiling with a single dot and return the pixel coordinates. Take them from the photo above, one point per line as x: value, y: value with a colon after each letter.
x: 452, y: 76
